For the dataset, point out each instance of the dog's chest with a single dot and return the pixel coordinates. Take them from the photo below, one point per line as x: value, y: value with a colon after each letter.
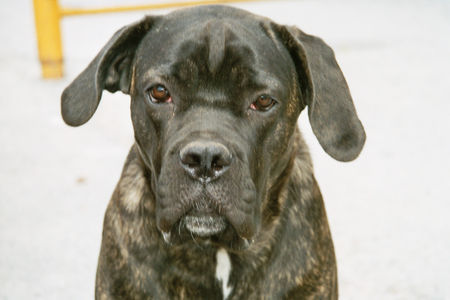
x: 198, y: 273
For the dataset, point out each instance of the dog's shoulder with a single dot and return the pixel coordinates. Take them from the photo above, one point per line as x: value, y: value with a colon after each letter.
x: 133, y: 183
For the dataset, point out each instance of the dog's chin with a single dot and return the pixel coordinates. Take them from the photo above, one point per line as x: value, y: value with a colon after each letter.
x: 205, y: 225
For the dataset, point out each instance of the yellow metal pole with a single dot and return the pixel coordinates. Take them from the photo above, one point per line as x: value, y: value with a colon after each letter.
x: 81, y: 11
x: 47, y: 17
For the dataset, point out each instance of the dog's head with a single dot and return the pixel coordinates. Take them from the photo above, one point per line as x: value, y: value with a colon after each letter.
x: 215, y: 96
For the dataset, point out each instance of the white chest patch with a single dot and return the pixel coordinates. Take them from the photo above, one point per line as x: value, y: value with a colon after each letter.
x: 223, y: 271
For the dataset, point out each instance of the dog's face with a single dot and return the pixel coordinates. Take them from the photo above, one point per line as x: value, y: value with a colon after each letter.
x: 213, y: 119
x: 216, y: 93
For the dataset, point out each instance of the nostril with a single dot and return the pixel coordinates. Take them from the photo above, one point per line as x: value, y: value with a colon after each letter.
x: 220, y: 161
x: 191, y: 160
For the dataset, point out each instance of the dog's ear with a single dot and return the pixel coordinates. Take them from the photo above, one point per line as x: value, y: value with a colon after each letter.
x: 324, y: 90
x: 110, y: 70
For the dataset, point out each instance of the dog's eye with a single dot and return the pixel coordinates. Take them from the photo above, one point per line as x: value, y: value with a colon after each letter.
x: 159, y: 94
x: 263, y: 103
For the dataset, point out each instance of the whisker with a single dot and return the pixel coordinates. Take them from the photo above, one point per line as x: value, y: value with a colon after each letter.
x: 179, y: 228
x: 195, y: 241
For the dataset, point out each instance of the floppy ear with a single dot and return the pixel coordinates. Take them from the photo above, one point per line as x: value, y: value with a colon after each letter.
x: 324, y: 90
x: 110, y: 70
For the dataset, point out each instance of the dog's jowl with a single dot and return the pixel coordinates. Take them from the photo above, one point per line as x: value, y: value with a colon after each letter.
x: 217, y: 198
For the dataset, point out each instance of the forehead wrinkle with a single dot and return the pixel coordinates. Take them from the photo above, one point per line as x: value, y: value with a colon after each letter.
x: 216, y: 45
x: 216, y: 39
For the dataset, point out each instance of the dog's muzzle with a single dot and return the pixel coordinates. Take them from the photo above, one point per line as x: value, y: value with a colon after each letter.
x: 199, y: 208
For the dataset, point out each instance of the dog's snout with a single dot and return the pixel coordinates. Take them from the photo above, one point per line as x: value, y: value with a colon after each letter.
x: 205, y: 160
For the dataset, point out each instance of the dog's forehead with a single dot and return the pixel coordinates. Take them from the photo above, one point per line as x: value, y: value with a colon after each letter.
x: 193, y: 17
x: 212, y: 40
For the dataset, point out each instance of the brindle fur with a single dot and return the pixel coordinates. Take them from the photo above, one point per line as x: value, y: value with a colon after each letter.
x: 269, y: 194
x: 135, y: 264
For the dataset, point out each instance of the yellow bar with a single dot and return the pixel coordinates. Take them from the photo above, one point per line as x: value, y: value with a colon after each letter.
x: 48, y: 33
x: 47, y: 18
x: 81, y: 11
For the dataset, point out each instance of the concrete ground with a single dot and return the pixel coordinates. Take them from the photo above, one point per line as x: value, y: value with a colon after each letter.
x: 388, y: 210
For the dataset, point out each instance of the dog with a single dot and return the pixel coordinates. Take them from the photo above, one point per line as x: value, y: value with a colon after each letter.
x: 217, y: 198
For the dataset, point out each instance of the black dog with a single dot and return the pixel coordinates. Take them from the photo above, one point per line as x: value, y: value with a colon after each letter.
x: 217, y: 198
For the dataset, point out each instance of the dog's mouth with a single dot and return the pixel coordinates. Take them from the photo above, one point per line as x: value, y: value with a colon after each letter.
x: 206, y: 219
x: 205, y: 228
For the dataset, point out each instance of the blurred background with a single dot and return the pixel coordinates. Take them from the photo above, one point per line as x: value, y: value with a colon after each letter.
x: 388, y: 210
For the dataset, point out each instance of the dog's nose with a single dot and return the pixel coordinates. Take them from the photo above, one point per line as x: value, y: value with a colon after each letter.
x: 205, y: 160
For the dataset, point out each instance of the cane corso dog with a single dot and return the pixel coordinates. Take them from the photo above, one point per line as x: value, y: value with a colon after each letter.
x: 217, y: 198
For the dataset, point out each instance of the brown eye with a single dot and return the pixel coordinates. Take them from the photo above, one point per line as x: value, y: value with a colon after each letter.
x: 263, y: 103
x: 159, y: 94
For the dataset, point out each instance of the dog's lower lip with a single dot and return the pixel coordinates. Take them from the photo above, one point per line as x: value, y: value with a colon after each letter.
x: 205, y: 225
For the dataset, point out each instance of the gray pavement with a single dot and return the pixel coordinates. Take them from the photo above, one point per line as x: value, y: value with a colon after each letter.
x: 388, y: 210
